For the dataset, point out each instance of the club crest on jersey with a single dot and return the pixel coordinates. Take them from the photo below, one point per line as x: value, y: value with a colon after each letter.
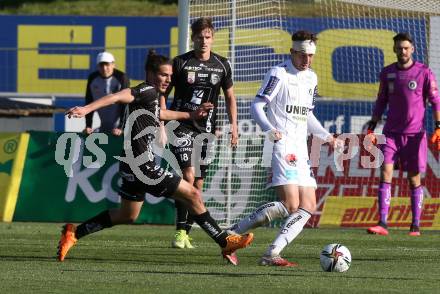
x: 291, y: 159
x: 412, y: 85
x: 214, y: 78
x: 191, y: 77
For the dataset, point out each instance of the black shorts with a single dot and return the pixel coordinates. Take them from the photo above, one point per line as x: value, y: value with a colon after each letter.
x: 134, y: 189
x: 190, y: 155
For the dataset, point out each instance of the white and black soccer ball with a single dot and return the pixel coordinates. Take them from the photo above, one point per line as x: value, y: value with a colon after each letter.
x: 335, y: 258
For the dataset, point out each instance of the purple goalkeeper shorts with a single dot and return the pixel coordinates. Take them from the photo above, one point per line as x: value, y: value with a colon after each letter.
x: 410, y: 150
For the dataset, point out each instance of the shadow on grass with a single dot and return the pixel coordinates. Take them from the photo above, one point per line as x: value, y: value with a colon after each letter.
x: 275, y: 272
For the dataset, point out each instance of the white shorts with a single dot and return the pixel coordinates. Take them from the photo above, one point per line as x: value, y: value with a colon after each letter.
x: 288, y: 169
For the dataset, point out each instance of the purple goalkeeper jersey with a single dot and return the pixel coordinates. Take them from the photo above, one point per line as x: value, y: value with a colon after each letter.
x: 406, y: 91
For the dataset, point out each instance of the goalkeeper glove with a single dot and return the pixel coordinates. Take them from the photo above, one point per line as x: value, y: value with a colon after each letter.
x: 435, y: 139
x: 371, y: 125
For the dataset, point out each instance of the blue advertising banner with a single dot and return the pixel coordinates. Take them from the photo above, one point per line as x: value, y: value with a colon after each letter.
x: 54, y: 54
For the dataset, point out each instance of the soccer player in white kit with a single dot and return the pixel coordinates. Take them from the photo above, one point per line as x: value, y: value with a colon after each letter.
x: 288, y: 90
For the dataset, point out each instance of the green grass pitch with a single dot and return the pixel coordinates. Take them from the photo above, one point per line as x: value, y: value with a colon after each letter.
x: 138, y: 259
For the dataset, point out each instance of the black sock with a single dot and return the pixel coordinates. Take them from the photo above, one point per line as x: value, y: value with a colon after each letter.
x: 383, y: 225
x: 181, y: 215
x: 95, y: 224
x: 189, y: 223
x: 210, y: 226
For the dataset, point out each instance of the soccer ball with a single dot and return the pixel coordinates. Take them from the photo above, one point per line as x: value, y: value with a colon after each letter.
x: 335, y: 258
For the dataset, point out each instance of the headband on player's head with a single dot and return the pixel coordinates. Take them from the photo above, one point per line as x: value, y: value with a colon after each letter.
x: 307, y: 46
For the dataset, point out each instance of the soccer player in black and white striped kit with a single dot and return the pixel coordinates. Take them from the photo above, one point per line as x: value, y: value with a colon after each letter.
x: 198, y: 77
x: 138, y: 168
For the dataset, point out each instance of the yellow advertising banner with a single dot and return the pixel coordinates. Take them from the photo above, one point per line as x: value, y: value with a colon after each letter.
x: 13, y: 147
x: 362, y: 212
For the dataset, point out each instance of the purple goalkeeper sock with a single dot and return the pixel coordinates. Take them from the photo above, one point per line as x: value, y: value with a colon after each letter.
x: 416, y: 204
x: 384, y: 201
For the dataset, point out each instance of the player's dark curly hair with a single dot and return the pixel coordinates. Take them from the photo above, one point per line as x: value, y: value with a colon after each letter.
x: 201, y: 24
x: 403, y: 37
x: 154, y: 61
x: 303, y: 35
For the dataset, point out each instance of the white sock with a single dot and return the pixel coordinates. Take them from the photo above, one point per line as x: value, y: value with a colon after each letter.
x: 291, y: 228
x: 262, y: 215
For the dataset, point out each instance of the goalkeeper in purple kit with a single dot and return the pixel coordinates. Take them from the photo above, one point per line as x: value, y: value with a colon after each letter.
x: 405, y: 86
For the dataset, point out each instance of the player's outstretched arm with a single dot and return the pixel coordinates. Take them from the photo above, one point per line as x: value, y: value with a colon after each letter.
x: 123, y: 96
x: 201, y: 112
x: 314, y: 127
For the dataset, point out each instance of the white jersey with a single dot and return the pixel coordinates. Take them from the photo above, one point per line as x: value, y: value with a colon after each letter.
x: 290, y: 96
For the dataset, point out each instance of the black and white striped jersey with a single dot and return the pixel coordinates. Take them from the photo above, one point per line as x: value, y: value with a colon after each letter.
x: 196, y: 82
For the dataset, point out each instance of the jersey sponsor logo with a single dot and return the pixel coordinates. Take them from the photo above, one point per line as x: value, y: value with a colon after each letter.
x: 219, y: 70
x: 197, y: 96
x: 190, y: 106
x: 182, y: 150
x: 193, y: 68
x: 145, y: 89
x: 205, y: 68
x: 292, y: 174
x: 215, y: 78
x: 191, y: 77
x: 295, y: 109
x: 391, y: 76
x: 270, y: 86
x: 183, y: 142
x: 412, y: 85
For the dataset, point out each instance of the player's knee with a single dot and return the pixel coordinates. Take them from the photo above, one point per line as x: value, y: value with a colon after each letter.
x: 310, y: 207
x: 291, y: 207
x: 196, y: 195
x: 386, y: 174
x: 194, y: 200
x: 188, y: 175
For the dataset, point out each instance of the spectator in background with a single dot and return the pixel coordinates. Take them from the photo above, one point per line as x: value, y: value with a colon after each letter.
x: 106, y: 80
